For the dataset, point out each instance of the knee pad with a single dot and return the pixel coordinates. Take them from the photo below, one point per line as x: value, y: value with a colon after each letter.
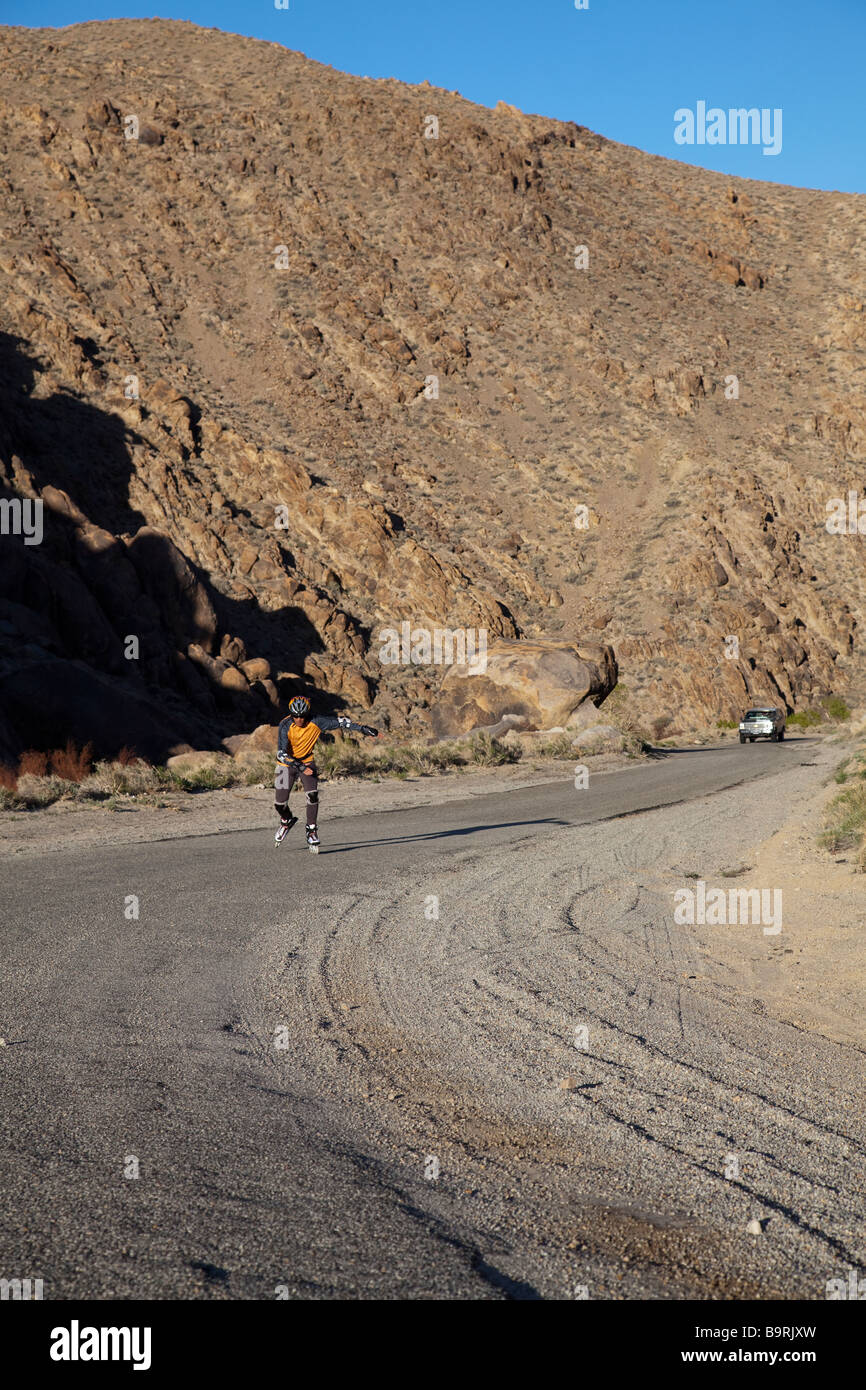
x: 312, y: 798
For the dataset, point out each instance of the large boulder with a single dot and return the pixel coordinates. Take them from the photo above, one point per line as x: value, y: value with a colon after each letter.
x: 264, y: 738
x: 261, y: 740
x: 195, y: 760
x: 256, y: 669
x: 545, y: 683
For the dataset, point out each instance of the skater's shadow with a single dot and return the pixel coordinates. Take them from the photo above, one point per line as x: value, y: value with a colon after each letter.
x: 443, y: 834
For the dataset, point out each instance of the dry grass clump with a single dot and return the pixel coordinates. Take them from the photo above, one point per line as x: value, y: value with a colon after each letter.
x: 258, y: 770
x: 617, y: 711
x: 845, y: 817
x: 131, y: 778
x: 560, y: 746
x: 37, y: 783
x: 70, y: 763
x: 414, y: 759
x: 220, y: 771
x: 43, y: 777
x: 34, y: 792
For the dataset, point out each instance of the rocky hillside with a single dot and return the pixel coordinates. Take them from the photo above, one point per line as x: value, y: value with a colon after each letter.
x: 285, y: 370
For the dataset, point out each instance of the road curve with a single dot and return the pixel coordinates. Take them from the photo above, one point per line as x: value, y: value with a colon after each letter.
x: 339, y: 1075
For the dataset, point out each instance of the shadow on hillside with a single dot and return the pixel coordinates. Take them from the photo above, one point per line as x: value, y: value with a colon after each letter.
x: 67, y: 607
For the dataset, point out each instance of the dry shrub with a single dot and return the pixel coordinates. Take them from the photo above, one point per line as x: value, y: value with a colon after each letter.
x: 8, y: 778
x: 491, y: 752
x: 71, y: 763
x: 33, y: 764
x: 845, y: 822
x: 258, y: 770
x: 133, y: 777
x: 109, y: 779
x: 561, y: 746
x: 41, y: 791
x: 220, y: 771
x: 617, y: 708
x: 126, y: 756
x: 93, y: 788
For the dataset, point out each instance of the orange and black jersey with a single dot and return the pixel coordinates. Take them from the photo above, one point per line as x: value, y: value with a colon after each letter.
x: 296, y: 742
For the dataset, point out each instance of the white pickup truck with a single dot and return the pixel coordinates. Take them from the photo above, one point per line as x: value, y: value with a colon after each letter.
x: 763, y: 721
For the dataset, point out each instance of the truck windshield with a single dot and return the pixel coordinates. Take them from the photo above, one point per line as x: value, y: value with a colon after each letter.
x: 759, y: 714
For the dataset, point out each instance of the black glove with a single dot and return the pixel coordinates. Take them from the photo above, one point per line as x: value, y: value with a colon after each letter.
x: 369, y: 731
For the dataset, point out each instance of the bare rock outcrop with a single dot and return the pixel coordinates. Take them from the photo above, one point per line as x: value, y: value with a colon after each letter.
x: 541, y: 683
x: 284, y: 371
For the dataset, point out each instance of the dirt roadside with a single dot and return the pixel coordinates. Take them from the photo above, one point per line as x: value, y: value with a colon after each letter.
x: 70, y: 824
x: 815, y: 980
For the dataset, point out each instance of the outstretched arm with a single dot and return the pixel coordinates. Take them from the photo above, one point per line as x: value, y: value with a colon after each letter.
x: 326, y: 722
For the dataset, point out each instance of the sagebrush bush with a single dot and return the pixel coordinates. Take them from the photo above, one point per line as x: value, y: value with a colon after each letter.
x: 559, y: 747
x: 832, y: 707
x: 93, y: 788
x: 343, y: 759
x: 211, y: 776
x: 491, y: 752
x: 836, y: 708
x: 262, y: 770
x: 845, y: 820
x: 446, y: 755
x: 35, y: 791
x: 109, y: 778
x: 806, y: 718
x: 616, y: 708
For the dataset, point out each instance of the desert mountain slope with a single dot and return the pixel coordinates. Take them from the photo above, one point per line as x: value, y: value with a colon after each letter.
x: 278, y: 265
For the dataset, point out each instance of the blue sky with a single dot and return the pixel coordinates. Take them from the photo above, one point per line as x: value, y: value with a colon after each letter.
x: 621, y: 67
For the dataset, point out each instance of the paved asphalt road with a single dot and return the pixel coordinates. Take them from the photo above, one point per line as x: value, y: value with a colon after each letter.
x: 276, y: 1066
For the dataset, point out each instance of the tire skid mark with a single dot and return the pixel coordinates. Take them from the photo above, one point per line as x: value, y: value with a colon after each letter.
x: 478, y: 1004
